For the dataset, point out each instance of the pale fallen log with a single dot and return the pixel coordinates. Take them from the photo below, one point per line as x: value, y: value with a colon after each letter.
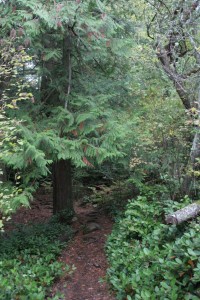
x: 184, y: 214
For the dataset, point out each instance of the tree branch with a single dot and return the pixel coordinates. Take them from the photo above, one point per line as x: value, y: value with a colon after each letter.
x: 184, y: 214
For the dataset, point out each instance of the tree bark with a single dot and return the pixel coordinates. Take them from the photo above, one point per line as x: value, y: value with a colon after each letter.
x: 62, y: 187
x: 184, y: 214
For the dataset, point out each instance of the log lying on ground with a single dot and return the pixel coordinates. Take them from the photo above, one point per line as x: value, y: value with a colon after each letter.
x: 184, y: 214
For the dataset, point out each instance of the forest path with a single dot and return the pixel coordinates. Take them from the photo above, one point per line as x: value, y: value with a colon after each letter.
x: 86, y: 253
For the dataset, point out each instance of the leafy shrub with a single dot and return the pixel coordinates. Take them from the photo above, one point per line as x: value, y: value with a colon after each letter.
x: 150, y: 260
x: 28, y: 263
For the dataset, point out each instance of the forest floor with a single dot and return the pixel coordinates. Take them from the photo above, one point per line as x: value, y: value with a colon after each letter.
x: 85, y: 252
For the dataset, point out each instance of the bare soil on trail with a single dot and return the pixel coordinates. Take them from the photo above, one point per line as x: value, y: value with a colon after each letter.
x: 85, y: 251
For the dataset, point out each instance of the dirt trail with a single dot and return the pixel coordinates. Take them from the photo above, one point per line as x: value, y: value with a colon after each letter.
x: 86, y: 253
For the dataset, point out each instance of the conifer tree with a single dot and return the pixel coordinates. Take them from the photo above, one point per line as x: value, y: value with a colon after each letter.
x: 79, y: 53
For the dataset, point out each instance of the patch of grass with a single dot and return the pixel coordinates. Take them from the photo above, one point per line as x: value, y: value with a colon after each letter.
x: 28, y: 260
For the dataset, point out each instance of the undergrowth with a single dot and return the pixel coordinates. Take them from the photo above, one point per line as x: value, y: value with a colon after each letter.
x: 28, y: 260
x: 150, y: 260
x: 111, y: 198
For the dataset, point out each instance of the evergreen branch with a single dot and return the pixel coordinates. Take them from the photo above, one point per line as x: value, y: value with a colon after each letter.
x: 87, y: 48
x: 69, y: 79
x: 67, y: 64
x: 99, y: 5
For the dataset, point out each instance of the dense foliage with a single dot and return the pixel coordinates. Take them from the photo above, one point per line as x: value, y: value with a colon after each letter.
x: 150, y: 260
x: 29, y: 260
x: 111, y: 87
x: 12, y: 91
x: 69, y: 116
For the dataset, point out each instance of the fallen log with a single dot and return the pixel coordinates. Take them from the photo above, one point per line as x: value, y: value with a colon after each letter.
x: 184, y: 214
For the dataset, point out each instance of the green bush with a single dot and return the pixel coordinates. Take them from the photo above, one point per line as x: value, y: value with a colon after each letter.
x: 28, y: 260
x: 150, y: 260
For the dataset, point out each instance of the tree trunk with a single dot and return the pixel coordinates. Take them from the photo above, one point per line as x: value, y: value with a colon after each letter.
x: 62, y: 187
x: 184, y: 214
x: 51, y: 96
x: 62, y: 190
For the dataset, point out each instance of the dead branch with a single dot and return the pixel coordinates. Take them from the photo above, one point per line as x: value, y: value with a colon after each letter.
x: 184, y: 214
